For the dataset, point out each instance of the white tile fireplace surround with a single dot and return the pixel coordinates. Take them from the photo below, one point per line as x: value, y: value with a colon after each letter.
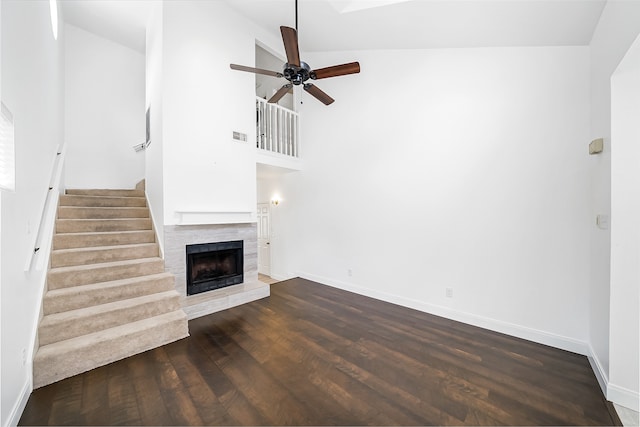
x: 177, y: 237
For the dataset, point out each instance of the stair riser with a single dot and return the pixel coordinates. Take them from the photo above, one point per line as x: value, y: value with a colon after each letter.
x: 106, y: 294
x: 69, y: 241
x: 87, y: 324
x: 65, y: 279
x: 115, y: 193
x: 49, y: 367
x: 66, y: 200
x: 98, y: 225
x: 71, y: 212
x: 66, y: 259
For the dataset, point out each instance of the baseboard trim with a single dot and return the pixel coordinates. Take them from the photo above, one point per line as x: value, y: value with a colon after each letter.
x: 530, y: 334
x: 280, y: 277
x: 624, y: 397
x: 598, y: 370
x: 18, y: 407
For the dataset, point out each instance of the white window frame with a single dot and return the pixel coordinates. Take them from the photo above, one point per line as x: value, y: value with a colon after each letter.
x: 7, y: 150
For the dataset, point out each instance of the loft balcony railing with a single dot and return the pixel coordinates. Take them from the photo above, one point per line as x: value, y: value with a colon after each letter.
x: 277, y: 129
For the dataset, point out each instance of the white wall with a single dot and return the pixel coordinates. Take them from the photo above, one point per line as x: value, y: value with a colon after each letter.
x: 625, y: 232
x: 33, y: 89
x: 204, y: 101
x: 470, y: 172
x: 618, y: 27
x: 263, y: 191
x: 153, y: 154
x: 105, y: 114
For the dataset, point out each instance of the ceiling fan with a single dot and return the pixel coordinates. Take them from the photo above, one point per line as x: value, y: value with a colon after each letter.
x: 299, y: 72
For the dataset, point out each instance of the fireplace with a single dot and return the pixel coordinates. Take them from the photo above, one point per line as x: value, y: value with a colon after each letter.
x: 214, y: 265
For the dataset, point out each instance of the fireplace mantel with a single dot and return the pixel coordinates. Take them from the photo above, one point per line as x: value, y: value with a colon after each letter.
x: 204, y: 217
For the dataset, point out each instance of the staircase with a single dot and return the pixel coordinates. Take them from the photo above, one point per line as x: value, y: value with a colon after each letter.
x: 108, y: 296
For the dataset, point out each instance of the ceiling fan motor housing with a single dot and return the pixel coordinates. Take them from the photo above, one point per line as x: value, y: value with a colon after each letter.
x: 297, y: 75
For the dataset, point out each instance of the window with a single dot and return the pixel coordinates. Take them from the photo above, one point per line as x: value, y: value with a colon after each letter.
x: 7, y: 150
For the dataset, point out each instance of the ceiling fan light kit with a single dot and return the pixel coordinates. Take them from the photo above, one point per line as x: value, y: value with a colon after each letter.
x: 299, y: 72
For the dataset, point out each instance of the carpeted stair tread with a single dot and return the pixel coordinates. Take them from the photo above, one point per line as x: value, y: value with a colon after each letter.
x: 90, y: 225
x: 63, y: 359
x: 108, y: 296
x: 96, y: 201
x: 65, y: 299
x: 63, y: 277
x: 102, y: 254
x: 102, y: 212
x: 69, y: 324
x: 105, y: 192
x: 101, y: 238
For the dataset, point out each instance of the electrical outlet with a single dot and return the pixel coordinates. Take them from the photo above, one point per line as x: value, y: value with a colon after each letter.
x: 349, y: 272
x: 449, y: 292
x: 24, y: 357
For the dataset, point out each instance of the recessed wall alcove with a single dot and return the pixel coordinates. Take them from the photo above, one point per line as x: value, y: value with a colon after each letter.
x: 177, y: 237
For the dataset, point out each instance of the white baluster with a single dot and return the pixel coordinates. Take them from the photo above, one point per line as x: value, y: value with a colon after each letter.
x: 271, y: 126
x: 289, y: 134
x: 285, y: 149
x: 277, y: 129
x: 280, y: 131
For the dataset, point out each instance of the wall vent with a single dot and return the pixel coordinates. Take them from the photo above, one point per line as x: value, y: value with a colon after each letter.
x: 239, y: 136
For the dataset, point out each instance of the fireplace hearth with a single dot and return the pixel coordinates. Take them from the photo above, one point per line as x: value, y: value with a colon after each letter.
x: 214, y: 265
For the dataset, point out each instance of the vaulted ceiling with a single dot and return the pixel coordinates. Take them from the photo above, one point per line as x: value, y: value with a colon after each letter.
x: 326, y: 25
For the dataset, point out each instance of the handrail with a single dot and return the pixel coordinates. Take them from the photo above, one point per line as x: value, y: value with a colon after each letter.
x: 54, y: 182
x: 277, y: 129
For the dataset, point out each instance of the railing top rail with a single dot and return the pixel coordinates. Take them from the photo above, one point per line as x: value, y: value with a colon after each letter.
x: 277, y: 106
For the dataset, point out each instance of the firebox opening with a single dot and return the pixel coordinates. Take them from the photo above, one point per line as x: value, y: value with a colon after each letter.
x: 214, y: 265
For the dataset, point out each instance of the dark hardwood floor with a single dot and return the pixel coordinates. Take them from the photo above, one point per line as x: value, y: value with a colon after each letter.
x: 315, y: 355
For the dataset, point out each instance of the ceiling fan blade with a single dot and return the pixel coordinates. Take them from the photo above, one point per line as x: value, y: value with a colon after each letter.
x: 256, y: 70
x: 280, y: 93
x: 290, y: 39
x: 336, y: 70
x: 320, y: 95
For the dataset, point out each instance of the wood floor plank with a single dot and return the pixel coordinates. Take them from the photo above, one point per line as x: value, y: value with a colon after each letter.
x: 202, y: 395
x: 152, y: 408
x: 39, y: 404
x: 282, y: 361
x: 210, y: 346
x: 67, y: 403
x: 121, y: 396
x: 357, y: 374
x: 481, y: 375
x: 315, y: 355
x: 174, y: 394
x: 94, y: 396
